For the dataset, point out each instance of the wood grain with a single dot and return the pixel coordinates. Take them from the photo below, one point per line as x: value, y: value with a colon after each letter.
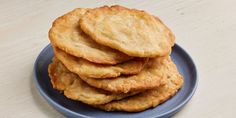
x: 205, y: 28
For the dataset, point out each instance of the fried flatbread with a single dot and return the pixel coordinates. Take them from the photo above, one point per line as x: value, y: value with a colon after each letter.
x: 168, y: 33
x: 85, y: 68
x: 149, y: 98
x: 151, y: 76
x: 133, y: 32
x: 74, y: 88
x: 59, y: 76
x: 67, y: 35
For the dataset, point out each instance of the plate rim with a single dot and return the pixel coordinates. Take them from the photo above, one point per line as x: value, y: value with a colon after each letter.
x: 49, y: 100
x: 65, y: 110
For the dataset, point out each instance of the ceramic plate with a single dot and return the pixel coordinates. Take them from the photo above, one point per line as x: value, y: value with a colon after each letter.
x: 77, y: 109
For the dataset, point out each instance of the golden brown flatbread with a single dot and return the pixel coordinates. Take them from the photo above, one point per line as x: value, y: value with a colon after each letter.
x: 67, y: 35
x: 74, y: 88
x: 59, y: 76
x: 133, y: 32
x: 168, y: 33
x: 149, y: 98
x: 85, y: 68
x: 150, y: 77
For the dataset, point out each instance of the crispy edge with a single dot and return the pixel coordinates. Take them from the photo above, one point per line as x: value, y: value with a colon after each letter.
x: 153, y: 100
x: 51, y: 68
x: 170, y: 33
x: 124, y: 86
x: 53, y: 78
x: 102, y: 97
x: 72, y: 63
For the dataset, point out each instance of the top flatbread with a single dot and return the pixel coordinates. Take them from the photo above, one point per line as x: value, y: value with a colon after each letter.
x: 149, y: 98
x: 67, y: 35
x: 130, y: 31
x: 150, y: 77
x: 74, y: 88
x: 85, y: 68
x: 168, y: 33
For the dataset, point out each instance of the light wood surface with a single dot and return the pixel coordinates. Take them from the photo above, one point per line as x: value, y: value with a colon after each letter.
x: 205, y: 28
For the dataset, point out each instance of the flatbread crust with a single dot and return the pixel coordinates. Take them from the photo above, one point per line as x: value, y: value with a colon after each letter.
x: 168, y: 33
x: 149, y: 98
x: 74, y: 88
x: 152, y: 76
x: 67, y: 35
x: 131, y: 31
x: 83, y: 67
x: 59, y: 77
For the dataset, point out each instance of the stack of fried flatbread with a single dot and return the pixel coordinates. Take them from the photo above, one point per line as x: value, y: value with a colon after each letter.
x: 113, y: 58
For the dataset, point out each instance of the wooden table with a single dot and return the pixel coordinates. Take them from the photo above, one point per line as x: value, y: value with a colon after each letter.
x: 205, y: 28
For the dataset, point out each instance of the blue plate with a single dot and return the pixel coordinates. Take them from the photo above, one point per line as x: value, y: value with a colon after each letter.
x: 77, y: 109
